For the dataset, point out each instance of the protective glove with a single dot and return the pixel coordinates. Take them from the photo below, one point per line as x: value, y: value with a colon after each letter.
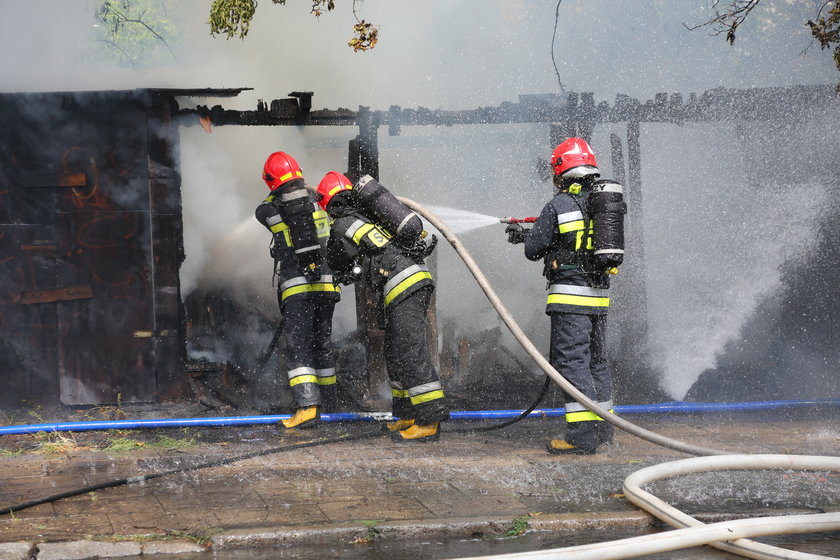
x: 428, y: 248
x: 516, y: 233
x: 312, y: 272
x: 346, y: 277
x: 421, y: 250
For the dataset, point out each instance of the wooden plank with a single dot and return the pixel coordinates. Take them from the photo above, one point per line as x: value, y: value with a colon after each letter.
x: 40, y: 180
x: 59, y: 294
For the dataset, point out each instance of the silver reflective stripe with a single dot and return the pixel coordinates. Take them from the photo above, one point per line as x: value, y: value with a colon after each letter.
x: 611, y: 251
x: 396, y: 385
x: 292, y: 282
x: 363, y: 181
x: 300, y: 280
x: 569, y: 217
x: 304, y: 249
x: 425, y: 388
x: 577, y: 407
x: 328, y: 372
x: 353, y: 228
x: 294, y: 195
x: 405, y: 221
x: 394, y: 282
x: 274, y: 220
x: 297, y: 372
x: 579, y: 290
x: 610, y: 187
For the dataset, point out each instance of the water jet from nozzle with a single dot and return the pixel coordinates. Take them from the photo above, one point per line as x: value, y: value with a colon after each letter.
x: 463, y: 221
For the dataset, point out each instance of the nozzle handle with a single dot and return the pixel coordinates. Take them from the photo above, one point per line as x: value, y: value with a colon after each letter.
x: 529, y: 220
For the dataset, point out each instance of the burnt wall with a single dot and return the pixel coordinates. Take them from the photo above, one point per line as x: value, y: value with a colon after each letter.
x: 90, y: 238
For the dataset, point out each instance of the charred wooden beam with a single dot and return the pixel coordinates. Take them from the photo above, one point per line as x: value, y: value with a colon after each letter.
x: 572, y: 111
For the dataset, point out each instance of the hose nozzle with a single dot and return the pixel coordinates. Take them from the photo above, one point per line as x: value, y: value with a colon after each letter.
x: 529, y: 220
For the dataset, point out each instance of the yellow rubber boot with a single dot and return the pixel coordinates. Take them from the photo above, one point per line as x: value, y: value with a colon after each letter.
x: 563, y: 447
x: 304, y: 418
x: 416, y: 432
x: 400, y: 424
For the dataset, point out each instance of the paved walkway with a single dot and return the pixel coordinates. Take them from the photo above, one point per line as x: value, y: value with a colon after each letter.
x: 466, y: 484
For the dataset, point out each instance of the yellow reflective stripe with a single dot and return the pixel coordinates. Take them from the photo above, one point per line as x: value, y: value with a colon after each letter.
x: 309, y: 288
x: 357, y: 237
x: 570, y: 226
x: 288, y: 176
x: 584, y: 416
x: 399, y: 393
x: 284, y: 229
x: 322, y: 223
x: 566, y: 299
x: 338, y: 188
x: 405, y: 284
x: 303, y: 379
x: 326, y: 380
x: 426, y: 397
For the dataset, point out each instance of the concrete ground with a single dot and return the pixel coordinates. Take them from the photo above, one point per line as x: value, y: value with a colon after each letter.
x: 466, y: 484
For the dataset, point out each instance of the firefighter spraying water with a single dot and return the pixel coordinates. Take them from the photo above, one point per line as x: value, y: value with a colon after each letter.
x: 580, y: 236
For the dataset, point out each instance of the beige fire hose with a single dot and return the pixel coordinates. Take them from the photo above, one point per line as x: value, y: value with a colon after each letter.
x: 535, y: 354
x: 695, y: 532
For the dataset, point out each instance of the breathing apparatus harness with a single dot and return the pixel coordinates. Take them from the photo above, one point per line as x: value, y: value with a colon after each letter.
x: 600, y: 248
x: 397, y: 222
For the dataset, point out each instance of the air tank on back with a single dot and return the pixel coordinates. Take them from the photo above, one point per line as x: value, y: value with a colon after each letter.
x: 388, y: 211
x: 606, y: 208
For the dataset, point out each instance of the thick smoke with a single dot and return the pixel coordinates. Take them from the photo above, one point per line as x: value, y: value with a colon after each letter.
x: 711, y: 256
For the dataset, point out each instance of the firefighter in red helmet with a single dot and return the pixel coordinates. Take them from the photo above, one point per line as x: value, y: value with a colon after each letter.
x: 374, y: 237
x: 578, y: 274
x: 305, y: 289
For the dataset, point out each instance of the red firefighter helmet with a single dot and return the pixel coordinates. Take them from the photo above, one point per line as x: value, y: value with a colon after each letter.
x: 280, y: 168
x: 332, y: 184
x: 573, y: 158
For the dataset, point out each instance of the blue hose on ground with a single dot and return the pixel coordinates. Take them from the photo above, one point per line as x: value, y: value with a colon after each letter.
x: 674, y: 407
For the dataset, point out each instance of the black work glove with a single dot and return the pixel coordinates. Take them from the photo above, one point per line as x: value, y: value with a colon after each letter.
x: 428, y: 248
x: 421, y: 249
x: 348, y: 276
x: 516, y: 233
x: 312, y: 272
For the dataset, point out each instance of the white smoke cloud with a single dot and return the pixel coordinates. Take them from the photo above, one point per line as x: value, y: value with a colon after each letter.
x: 433, y: 53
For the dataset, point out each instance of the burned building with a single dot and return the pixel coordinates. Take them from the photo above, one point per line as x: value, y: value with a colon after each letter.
x: 91, y: 236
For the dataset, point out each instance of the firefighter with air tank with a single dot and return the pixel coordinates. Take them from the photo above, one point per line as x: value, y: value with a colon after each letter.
x: 305, y: 289
x: 377, y: 239
x: 579, y: 235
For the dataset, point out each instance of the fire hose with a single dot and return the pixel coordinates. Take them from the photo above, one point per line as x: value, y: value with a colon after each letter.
x: 537, y: 356
x: 711, y: 534
x: 711, y: 457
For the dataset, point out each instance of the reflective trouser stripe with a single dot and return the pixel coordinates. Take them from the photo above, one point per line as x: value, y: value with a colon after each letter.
x: 302, y: 375
x: 299, y: 285
x: 397, y: 390
x: 326, y: 376
x: 576, y: 412
x: 405, y: 284
x: 583, y: 296
x: 426, y: 392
